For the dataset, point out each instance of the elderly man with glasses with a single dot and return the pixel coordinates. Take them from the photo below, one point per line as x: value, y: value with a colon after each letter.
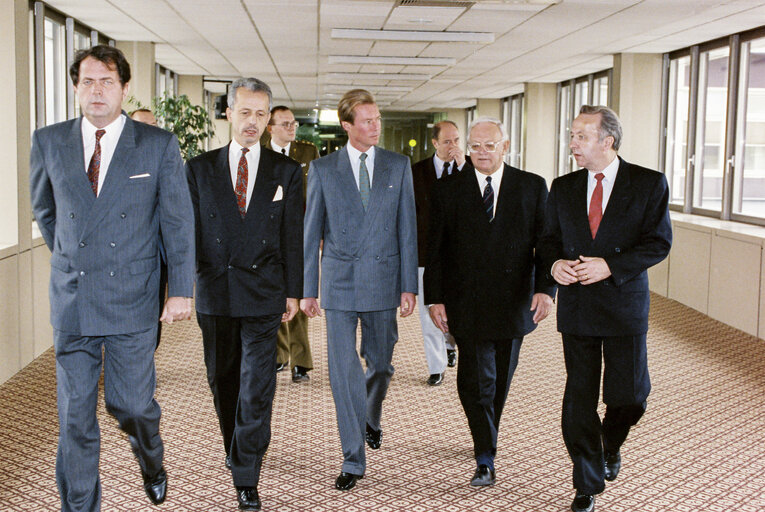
x: 483, y: 280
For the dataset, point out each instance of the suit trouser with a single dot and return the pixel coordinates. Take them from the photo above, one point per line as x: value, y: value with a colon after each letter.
x: 292, y: 345
x: 626, y: 385
x: 484, y: 374
x: 434, y: 341
x: 359, y: 397
x: 240, y: 356
x: 129, y: 380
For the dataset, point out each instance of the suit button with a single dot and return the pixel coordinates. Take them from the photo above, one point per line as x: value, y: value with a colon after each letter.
x: 508, y: 270
x: 82, y: 272
x: 217, y: 240
x: 71, y: 215
x: 272, y: 215
x: 212, y: 215
x: 386, y: 229
x: 230, y: 267
x: 111, y: 273
x: 82, y: 244
x: 123, y: 215
x: 254, y: 267
x: 377, y: 258
x: 343, y: 231
x: 618, y: 249
x: 356, y: 258
x: 263, y: 242
x: 112, y: 244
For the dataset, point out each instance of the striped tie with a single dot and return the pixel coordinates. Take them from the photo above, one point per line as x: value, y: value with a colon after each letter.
x: 95, y: 163
x: 488, y: 199
x: 241, y: 183
x: 364, y: 181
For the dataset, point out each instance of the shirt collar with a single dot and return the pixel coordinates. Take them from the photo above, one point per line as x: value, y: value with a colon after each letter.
x: 235, y: 148
x: 496, y: 176
x: 276, y: 147
x: 440, y: 163
x: 89, y: 129
x: 355, y: 154
x: 609, y: 172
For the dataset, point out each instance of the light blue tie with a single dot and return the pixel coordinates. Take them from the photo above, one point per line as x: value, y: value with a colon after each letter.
x: 364, y: 181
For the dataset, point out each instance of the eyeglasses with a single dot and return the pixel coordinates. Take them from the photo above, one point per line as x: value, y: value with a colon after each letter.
x: 287, y: 125
x: 489, y: 147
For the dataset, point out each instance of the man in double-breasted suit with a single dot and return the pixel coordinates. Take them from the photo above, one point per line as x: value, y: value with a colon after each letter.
x: 248, y: 209
x: 103, y: 186
x: 605, y: 225
x: 292, y: 345
x: 483, y: 279
x: 449, y: 159
x: 361, y: 202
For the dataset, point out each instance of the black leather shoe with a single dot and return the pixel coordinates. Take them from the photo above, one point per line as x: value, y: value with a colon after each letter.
x: 451, y: 358
x: 613, y: 465
x: 374, y: 437
x: 155, y: 486
x: 435, y: 379
x: 280, y: 366
x: 583, y: 503
x: 347, y: 481
x: 299, y: 373
x: 483, y: 476
x: 228, y: 461
x: 248, y: 498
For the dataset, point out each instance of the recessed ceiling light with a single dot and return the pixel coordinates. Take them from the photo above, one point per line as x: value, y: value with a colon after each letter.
x: 393, y: 61
x: 413, y: 35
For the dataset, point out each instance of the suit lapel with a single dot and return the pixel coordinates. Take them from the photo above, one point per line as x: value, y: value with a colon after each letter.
x: 223, y: 191
x: 380, y: 182
x: 509, y: 201
x: 347, y: 188
x: 73, y: 159
x: 578, y: 205
x: 618, y: 202
x: 472, y: 204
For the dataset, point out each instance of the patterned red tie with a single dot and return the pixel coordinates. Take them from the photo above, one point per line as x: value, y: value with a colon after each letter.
x: 241, y: 183
x: 596, y: 205
x: 95, y: 163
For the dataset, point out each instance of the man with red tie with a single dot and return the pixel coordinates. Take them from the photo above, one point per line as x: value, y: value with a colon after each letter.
x: 605, y: 225
x: 248, y: 210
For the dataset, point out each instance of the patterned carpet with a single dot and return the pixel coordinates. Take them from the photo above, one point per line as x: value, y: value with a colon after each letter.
x: 700, y: 446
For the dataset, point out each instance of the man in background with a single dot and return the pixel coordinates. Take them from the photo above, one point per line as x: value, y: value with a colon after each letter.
x: 292, y: 346
x: 448, y: 160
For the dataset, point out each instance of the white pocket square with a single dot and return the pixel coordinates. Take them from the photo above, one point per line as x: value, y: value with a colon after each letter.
x: 278, y: 195
x: 144, y: 175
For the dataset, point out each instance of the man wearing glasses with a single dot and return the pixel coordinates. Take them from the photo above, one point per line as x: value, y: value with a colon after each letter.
x: 292, y: 344
x: 485, y: 285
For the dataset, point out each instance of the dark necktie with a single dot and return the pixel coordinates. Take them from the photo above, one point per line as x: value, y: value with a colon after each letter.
x: 241, y: 183
x: 445, y: 172
x: 364, y: 186
x: 95, y: 163
x: 596, y: 205
x: 284, y: 151
x: 488, y: 199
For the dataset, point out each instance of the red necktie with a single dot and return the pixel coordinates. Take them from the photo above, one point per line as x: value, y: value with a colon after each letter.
x: 95, y: 163
x: 596, y: 205
x: 241, y: 183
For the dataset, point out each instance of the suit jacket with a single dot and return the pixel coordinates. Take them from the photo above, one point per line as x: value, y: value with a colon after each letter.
x: 369, y: 258
x: 486, y: 273
x: 105, y: 251
x: 303, y: 153
x: 424, y: 176
x: 247, y: 267
x: 634, y: 234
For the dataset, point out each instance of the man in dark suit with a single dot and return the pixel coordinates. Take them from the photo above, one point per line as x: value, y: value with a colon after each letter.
x: 483, y: 280
x: 249, y: 229
x: 292, y: 346
x: 449, y: 159
x: 361, y: 203
x: 599, y: 255
x: 102, y: 187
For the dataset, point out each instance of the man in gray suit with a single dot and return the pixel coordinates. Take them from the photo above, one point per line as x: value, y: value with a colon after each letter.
x: 361, y: 203
x: 103, y: 186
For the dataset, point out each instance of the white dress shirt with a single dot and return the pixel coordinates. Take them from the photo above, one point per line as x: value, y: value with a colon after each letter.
x: 496, y: 181
x: 439, y: 165
x: 276, y: 147
x: 355, y: 156
x: 108, y: 144
x: 608, y: 183
x: 253, y: 159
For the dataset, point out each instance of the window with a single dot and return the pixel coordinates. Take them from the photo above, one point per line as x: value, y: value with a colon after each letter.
x: 590, y: 89
x: 714, y: 128
x: 166, y: 81
x: 55, y: 71
x: 512, y: 117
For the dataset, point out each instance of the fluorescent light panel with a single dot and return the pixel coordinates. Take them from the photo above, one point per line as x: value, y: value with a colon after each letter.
x: 400, y: 61
x: 413, y: 35
x: 345, y: 88
x: 416, y: 77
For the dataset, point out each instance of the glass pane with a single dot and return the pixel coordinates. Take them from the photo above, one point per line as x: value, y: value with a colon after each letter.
x: 600, y: 91
x: 564, y: 124
x: 749, y: 174
x: 581, y: 93
x: 55, y: 72
x: 710, y: 129
x: 675, y: 158
x: 516, y: 139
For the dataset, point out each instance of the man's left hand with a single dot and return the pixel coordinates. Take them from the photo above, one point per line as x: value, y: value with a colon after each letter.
x: 458, y: 155
x: 592, y: 270
x: 292, y: 308
x: 176, y: 309
x: 541, y: 305
x: 408, y: 300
